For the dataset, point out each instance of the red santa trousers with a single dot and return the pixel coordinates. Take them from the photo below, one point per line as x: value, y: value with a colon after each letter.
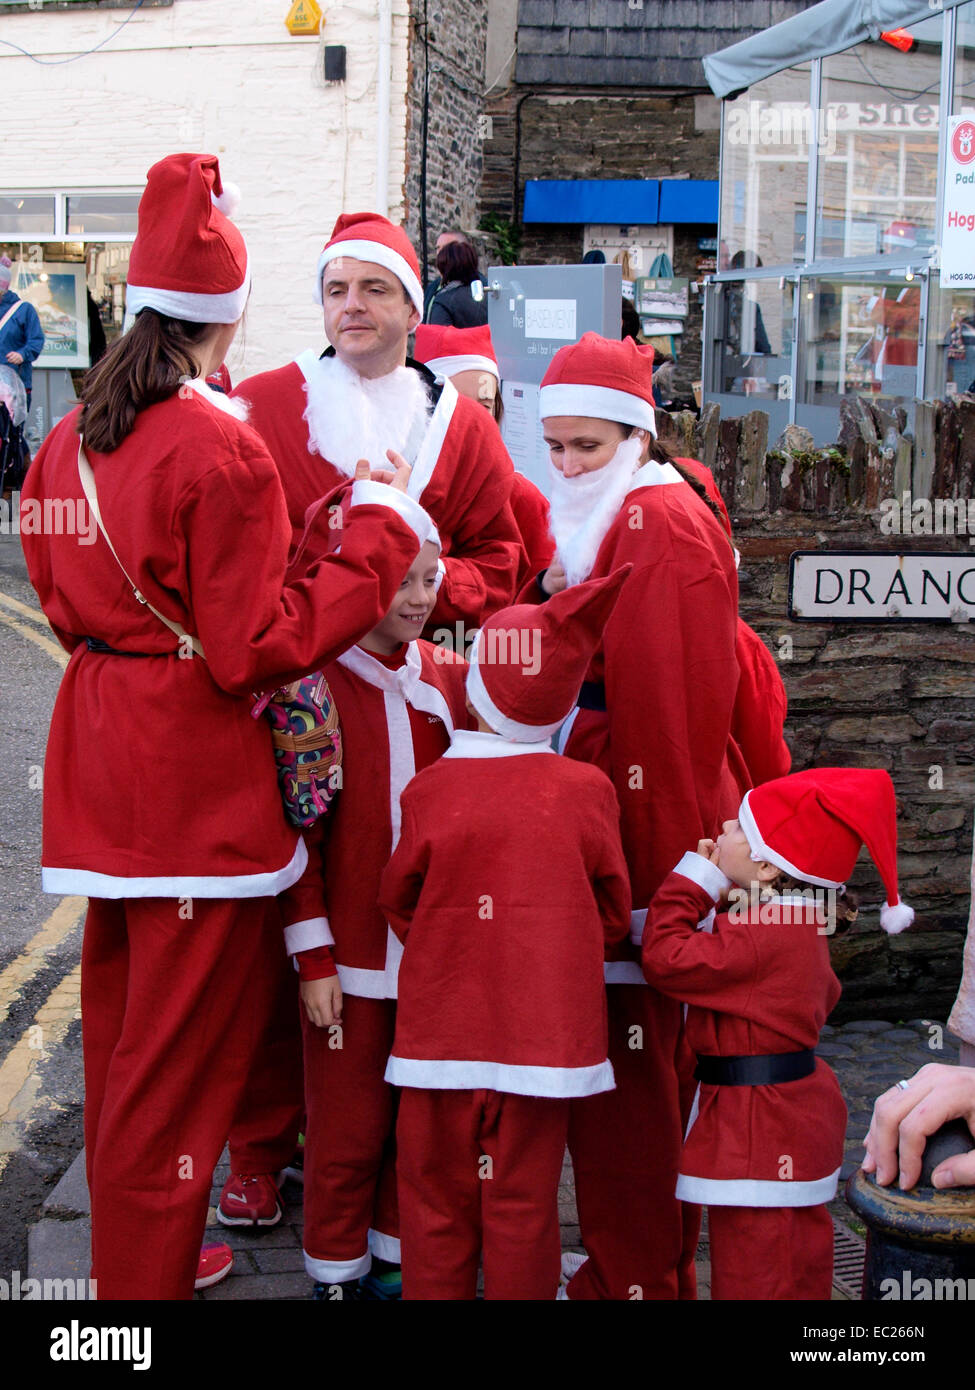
x: 265, y: 1132
x: 625, y: 1146
x: 350, y: 1146
x: 770, y: 1252
x: 479, y: 1174
x: 175, y: 995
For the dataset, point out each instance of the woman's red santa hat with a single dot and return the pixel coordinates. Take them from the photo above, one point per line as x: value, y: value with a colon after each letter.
x: 188, y: 260
x: 813, y: 823
x: 529, y: 661
x: 366, y: 236
x: 447, y: 350
x: 603, y: 379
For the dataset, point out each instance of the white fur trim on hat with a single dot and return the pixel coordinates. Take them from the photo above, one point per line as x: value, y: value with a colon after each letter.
x: 378, y: 254
x: 760, y: 850
x: 449, y: 366
x: 192, y: 308
x: 500, y: 723
x: 598, y: 403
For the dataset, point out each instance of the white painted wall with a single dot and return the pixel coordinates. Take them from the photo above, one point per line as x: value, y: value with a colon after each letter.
x: 224, y: 77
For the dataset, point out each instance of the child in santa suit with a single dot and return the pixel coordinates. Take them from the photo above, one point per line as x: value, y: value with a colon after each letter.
x: 506, y: 885
x: 765, y: 1141
x: 399, y: 699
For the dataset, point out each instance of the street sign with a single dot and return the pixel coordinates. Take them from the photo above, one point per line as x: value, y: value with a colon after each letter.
x: 851, y: 586
x: 304, y: 17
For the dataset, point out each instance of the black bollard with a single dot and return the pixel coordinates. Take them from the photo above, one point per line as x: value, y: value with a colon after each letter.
x: 921, y: 1243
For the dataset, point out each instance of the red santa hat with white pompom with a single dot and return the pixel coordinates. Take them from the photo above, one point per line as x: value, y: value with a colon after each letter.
x: 813, y: 823
x: 188, y: 260
x: 367, y: 236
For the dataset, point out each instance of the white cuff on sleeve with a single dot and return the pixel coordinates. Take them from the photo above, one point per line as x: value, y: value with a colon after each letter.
x: 304, y: 936
x: 705, y: 874
x: 381, y: 494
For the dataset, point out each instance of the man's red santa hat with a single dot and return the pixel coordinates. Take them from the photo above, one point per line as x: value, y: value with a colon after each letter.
x: 366, y: 236
x: 813, y: 823
x: 603, y: 379
x: 188, y: 260
x: 529, y: 661
x: 447, y: 350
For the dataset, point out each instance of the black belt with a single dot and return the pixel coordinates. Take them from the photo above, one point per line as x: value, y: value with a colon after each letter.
x: 592, y: 696
x: 95, y: 644
x: 755, y: 1071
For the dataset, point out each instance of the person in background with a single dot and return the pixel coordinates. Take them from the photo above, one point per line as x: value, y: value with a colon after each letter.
x: 453, y: 303
x: 436, y: 284
x: 21, y: 343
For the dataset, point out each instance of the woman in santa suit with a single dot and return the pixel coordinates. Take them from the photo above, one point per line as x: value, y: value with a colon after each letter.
x: 655, y: 714
x: 161, y: 803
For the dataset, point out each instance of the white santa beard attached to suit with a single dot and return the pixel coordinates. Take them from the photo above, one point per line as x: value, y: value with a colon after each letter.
x: 352, y: 417
x: 583, y: 508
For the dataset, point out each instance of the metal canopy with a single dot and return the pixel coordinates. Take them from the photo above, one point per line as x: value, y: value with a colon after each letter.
x: 829, y: 27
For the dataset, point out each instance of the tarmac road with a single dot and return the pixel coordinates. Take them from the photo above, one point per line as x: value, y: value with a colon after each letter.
x: 40, y: 936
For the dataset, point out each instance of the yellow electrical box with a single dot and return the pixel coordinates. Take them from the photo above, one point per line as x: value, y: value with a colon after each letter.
x: 304, y: 17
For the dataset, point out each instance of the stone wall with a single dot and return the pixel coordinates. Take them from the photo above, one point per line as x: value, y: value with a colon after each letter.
x: 899, y: 696
x: 447, y: 46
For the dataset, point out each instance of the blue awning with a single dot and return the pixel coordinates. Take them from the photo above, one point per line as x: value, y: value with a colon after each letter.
x: 630, y: 202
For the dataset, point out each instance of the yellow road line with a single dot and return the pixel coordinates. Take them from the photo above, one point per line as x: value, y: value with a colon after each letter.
x: 24, y: 609
x: 20, y: 1080
x: 47, y: 644
x: 34, y: 957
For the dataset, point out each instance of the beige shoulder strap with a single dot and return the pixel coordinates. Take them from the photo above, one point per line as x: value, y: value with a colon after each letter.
x: 88, y: 485
x: 10, y: 312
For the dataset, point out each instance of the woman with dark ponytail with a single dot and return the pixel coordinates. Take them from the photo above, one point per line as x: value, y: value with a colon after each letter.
x: 160, y: 795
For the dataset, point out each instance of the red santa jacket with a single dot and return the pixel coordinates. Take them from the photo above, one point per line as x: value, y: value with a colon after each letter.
x: 462, y: 473
x: 158, y: 782
x: 531, y: 512
x: 335, y: 901
x: 760, y: 709
x: 506, y: 884
x: 755, y: 986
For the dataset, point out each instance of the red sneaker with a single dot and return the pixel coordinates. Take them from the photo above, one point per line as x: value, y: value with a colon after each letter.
x: 249, y: 1201
x: 216, y: 1262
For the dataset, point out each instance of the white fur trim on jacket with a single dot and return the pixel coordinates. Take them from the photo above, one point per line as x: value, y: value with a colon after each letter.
x: 428, y: 455
x: 596, y: 402
x: 755, y: 1192
x: 375, y: 253
x: 705, y: 874
x: 89, y: 884
x: 500, y: 1076
x: 306, y: 935
x: 471, y: 743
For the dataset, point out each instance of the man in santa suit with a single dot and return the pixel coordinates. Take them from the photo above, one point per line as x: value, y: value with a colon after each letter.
x: 320, y: 414
x: 506, y: 885
x: 655, y: 714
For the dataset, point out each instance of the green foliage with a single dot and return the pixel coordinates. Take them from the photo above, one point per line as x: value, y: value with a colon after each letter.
x: 805, y: 459
x: 507, y: 236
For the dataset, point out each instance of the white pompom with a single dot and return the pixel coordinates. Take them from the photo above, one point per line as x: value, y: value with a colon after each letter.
x: 228, y: 200
x: 896, y: 919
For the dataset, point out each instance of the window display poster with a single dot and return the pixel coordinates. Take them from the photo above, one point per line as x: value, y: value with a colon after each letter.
x: 958, y: 225
x: 57, y: 291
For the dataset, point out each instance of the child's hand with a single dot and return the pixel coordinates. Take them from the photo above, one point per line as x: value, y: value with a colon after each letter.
x: 322, y: 1000
x: 708, y: 850
x: 554, y: 579
x: 401, y: 478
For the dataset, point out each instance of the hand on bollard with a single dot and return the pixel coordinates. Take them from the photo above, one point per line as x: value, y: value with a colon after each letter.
x: 904, y: 1117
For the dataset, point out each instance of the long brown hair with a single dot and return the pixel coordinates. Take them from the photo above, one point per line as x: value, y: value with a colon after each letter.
x: 143, y: 367
x: 660, y: 452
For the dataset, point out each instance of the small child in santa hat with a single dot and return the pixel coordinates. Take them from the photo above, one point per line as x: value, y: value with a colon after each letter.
x: 738, y: 931
x: 507, y: 883
x: 399, y: 699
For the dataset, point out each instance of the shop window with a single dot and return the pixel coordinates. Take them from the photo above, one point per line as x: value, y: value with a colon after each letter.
x: 964, y: 93
x: 765, y: 166
x: 878, y: 152
x: 26, y: 215
x: 102, y: 214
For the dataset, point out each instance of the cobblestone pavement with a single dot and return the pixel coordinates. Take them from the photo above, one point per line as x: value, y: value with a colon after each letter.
x: 868, y: 1057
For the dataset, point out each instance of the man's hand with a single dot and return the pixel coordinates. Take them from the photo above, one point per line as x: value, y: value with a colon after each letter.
x: 322, y: 1000
x: 14, y: 358
x: 554, y: 579
x: 904, y: 1118
x: 398, y: 476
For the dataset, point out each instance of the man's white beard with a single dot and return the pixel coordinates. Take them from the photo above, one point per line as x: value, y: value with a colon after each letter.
x: 352, y: 417
x: 583, y: 508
